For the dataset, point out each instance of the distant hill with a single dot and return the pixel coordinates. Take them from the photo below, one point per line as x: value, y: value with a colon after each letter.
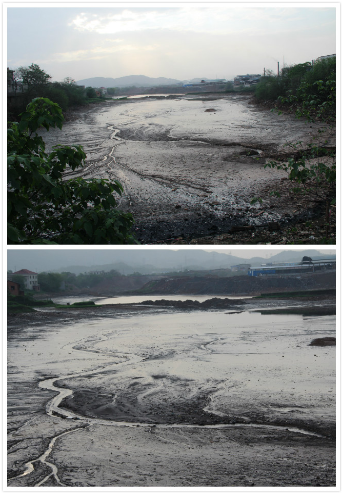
x: 127, y: 81
x: 144, y: 261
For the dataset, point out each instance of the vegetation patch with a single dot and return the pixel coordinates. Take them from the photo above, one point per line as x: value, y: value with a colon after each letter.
x: 13, y: 307
x: 43, y: 207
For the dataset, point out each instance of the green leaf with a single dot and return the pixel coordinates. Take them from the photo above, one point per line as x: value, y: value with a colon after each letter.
x: 88, y: 228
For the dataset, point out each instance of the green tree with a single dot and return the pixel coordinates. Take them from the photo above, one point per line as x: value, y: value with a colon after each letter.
x: 91, y: 92
x: 43, y: 207
x: 229, y: 87
x: 111, y: 91
x: 33, y: 75
x: 76, y: 94
x: 56, y: 94
x: 50, y: 282
x: 20, y: 280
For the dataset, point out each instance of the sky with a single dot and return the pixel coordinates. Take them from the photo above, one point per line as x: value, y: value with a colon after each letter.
x: 180, y: 41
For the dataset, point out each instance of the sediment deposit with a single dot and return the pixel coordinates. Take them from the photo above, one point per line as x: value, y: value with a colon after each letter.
x: 190, y: 166
x: 138, y: 396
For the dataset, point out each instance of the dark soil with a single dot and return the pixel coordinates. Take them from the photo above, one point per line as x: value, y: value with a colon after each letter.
x: 303, y: 226
x: 214, y: 303
x: 98, y: 403
x: 324, y: 341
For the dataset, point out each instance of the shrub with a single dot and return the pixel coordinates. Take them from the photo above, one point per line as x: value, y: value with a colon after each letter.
x: 43, y: 207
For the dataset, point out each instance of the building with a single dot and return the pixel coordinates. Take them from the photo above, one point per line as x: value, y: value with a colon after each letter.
x: 247, y: 80
x: 14, y: 288
x: 30, y: 279
x: 292, y: 268
x: 324, y: 57
x: 243, y: 267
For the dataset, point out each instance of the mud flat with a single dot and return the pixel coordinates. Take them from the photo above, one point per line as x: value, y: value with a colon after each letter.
x: 190, y: 166
x: 134, y: 396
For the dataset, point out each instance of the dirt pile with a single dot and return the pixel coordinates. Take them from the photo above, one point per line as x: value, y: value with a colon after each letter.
x: 213, y: 303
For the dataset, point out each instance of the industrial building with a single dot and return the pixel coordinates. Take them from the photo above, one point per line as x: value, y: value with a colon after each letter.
x: 305, y: 266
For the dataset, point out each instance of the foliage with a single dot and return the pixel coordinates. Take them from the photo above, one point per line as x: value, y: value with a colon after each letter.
x: 229, y: 87
x: 19, y: 279
x: 112, y: 91
x: 50, y: 282
x: 14, y: 307
x: 23, y: 304
x: 310, y: 89
x: 28, y: 300
x: 301, y: 172
x: 45, y: 208
x: 57, y: 95
x: 91, y: 92
x: 32, y: 75
x: 75, y: 94
x: 38, y: 85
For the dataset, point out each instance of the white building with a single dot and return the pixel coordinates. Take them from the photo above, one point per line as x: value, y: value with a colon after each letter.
x: 30, y: 279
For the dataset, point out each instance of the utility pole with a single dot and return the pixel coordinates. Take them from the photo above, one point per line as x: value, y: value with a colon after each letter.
x: 278, y: 69
x: 264, y: 71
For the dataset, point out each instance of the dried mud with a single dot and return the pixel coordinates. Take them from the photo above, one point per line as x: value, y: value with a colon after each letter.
x: 105, y: 397
x: 190, y: 167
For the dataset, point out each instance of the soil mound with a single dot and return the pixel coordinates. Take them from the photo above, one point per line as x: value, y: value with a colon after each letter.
x: 324, y: 341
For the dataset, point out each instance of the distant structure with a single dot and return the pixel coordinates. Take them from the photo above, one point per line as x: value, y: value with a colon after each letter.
x: 247, y: 80
x: 14, y: 87
x: 306, y: 265
x: 206, y: 84
x: 243, y: 267
x: 30, y: 279
x: 14, y: 288
x: 324, y: 57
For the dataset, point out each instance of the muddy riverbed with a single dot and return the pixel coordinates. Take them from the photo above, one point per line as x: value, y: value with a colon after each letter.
x: 191, y: 165
x: 153, y: 396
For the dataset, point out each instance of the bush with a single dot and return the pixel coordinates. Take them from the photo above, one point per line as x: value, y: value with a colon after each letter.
x: 56, y: 95
x: 43, y: 207
x: 311, y: 88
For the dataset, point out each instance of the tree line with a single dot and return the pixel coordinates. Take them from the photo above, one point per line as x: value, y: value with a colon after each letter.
x: 37, y: 83
x: 53, y: 282
x: 308, y: 89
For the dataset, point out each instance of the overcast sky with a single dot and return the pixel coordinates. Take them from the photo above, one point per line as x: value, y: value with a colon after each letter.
x: 181, y: 42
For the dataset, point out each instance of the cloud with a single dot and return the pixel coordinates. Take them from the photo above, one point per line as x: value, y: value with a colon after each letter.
x: 224, y: 19
x: 96, y: 53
